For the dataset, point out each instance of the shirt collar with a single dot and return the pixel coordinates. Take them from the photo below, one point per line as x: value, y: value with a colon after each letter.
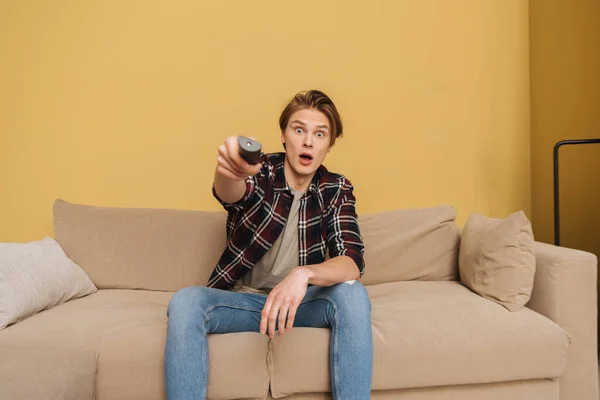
x: 280, y: 184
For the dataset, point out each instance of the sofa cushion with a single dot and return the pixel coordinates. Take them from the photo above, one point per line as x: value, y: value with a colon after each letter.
x: 539, y: 389
x: 138, y: 248
x: 497, y: 259
x: 127, y: 329
x: 411, y: 244
x: 162, y: 249
x: 429, y: 334
x: 46, y: 372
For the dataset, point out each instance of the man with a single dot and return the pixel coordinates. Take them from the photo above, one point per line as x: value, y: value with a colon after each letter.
x: 284, y: 215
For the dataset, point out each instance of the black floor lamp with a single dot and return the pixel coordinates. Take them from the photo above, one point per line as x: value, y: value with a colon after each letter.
x: 556, y: 202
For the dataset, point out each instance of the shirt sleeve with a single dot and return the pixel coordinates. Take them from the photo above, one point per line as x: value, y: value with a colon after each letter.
x: 343, y: 232
x: 241, y: 203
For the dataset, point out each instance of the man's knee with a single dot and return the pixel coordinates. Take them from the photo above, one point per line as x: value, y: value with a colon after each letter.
x: 353, y: 297
x: 188, y: 300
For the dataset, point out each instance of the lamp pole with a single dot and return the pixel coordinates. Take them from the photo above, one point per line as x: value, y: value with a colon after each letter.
x: 557, y: 146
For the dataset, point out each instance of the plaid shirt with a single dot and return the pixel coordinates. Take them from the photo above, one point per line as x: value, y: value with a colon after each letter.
x: 327, y: 221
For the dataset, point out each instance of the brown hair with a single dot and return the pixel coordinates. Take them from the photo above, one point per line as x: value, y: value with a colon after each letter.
x: 317, y: 100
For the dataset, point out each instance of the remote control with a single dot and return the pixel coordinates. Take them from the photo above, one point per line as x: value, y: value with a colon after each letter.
x: 249, y: 149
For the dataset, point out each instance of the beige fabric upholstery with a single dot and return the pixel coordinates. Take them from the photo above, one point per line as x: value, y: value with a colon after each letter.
x: 139, y: 248
x: 433, y: 340
x: 127, y: 329
x: 167, y: 250
x: 519, y: 390
x: 429, y: 334
x: 565, y: 291
x: 497, y: 260
x: 411, y: 244
x: 32, y: 372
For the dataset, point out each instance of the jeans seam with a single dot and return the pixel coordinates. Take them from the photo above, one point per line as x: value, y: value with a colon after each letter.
x: 334, y: 388
x: 230, y: 306
x: 205, y: 364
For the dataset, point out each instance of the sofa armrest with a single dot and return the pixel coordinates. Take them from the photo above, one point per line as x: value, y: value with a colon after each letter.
x: 565, y: 291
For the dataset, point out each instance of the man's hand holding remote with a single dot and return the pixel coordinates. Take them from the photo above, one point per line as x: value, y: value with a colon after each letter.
x: 232, y: 171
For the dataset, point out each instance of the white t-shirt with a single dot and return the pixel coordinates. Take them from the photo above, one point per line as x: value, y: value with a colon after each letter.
x: 274, y: 266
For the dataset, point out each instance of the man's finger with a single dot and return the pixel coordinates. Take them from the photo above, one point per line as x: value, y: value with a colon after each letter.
x: 273, y: 321
x: 226, y: 173
x: 233, y: 154
x: 264, y: 315
x: 256, y: 168
x: 225, y: 164
x: 283, y: 312
x: 290, y: 317
x: 224, y: 152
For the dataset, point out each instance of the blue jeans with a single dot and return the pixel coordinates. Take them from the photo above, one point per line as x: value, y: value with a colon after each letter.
x: 195, y: 312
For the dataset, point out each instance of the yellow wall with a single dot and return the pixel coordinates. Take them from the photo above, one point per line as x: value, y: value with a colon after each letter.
x: 123, y: 103
x: 565, y: 101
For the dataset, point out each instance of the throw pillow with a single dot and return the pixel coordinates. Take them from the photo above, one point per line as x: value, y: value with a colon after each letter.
x: 497, y: 259
x: 37, y: 276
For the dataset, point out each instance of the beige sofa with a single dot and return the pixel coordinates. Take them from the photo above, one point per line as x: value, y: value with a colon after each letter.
x: 434, y: 339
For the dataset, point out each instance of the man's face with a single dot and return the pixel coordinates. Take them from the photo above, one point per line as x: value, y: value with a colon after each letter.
x: 307, y: 138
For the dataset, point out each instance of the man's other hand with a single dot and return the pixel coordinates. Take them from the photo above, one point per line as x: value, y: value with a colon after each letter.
x: 283, y: 301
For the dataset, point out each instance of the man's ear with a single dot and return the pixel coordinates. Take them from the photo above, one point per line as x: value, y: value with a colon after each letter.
x: 283, y: 139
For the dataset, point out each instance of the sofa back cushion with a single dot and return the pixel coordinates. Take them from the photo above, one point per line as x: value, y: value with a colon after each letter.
x: 162, y: 249
x: 410, y: 244
x: 137, y: 248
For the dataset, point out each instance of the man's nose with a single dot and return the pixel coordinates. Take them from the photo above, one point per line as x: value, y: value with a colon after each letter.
x: 308, y: 140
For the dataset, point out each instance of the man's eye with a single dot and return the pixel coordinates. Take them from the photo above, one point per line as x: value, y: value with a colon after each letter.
x: 298, y: 130
x: 320, y: 135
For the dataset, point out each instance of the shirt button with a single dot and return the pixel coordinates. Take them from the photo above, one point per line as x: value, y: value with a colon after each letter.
x: 287, y: 207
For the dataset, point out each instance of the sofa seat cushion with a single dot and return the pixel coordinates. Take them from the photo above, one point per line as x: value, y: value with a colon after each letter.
x: 127, y: 330
x: 429, y: 334
x: 46, y: 372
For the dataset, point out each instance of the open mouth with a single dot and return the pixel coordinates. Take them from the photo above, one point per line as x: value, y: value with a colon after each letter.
x: 305, y: 159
